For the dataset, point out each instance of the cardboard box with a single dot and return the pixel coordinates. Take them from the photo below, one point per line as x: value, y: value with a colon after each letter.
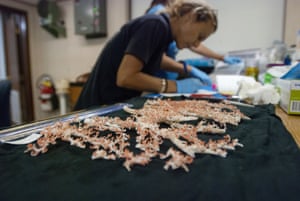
x: 289, y: 95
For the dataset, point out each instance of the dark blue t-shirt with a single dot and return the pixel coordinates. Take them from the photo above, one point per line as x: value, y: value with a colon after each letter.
x: 147, y: 38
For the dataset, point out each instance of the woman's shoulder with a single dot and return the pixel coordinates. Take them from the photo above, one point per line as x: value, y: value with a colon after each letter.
x: 161, y: 19
x: 148, y: 24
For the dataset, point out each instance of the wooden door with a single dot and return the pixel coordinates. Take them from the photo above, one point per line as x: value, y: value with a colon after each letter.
x: 292, y: 21
x: 17, y: 61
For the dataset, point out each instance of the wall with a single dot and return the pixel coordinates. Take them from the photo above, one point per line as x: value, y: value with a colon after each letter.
x: 242, y: 24
x: 66, y: 58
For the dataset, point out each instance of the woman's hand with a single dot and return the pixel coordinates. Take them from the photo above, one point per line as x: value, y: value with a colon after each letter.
x: 232, y: 60
x: 188, y: 85
x: 205, y: 79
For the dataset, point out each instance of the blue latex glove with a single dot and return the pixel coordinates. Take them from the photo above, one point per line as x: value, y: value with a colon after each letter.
x: 189, y: 85
x: 232, y: 60
x: 200, y: 62
x: 156, y: 9
x: 200, y: 75
x: 172, y: 50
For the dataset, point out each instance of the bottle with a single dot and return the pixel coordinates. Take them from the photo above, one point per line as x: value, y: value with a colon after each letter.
x: 252, y: 69
x: 287, y: 60
x: 263, y: 61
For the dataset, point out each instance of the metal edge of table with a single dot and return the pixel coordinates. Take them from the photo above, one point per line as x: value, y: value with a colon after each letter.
x: 34, y: 127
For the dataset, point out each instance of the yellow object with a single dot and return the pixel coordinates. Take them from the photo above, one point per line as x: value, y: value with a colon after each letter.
x: 252, y: 72
x: 289, y: 95
x: 47, y: 83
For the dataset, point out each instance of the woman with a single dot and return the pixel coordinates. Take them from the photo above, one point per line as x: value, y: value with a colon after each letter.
x: 128, y: 63
x: 158, y: 6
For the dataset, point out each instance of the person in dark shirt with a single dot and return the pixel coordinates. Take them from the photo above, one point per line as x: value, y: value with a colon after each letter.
x: 127, y: 65
x: 206, y: 64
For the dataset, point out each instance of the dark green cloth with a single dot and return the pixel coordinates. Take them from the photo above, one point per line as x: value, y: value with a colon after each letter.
x: 266, y: 168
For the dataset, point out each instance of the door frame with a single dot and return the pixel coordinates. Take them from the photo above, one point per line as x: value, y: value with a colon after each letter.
x: 16, y: 50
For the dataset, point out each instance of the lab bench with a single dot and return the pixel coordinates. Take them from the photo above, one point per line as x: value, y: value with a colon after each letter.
x: 266, y: 168
x: 291, y: 122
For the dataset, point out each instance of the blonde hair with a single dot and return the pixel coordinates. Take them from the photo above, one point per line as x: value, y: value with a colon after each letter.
x: 200, y: 8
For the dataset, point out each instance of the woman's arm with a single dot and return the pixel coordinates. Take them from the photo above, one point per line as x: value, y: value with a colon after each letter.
x: 130, y: 76
x: 203, y: 50
x: 169, y: 64
x: 184, y: 70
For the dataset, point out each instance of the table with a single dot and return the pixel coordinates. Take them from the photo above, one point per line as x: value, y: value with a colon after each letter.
x: 266, y: 168
x: 291, y: 122
x: 75, y: 90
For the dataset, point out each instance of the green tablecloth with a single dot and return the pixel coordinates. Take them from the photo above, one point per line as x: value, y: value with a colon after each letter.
x: 266, y: 168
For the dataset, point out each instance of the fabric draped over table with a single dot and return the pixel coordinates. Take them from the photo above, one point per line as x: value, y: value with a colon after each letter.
x: 266, y: 168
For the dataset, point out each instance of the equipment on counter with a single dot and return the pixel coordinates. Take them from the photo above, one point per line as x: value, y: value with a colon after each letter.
x: 90, y: 18
x: 50, y: 18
